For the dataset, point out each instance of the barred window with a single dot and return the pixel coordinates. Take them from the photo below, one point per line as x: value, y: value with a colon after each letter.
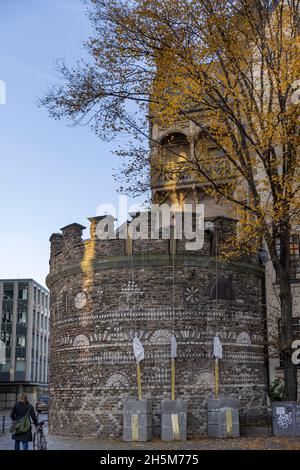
x: 294, y: 255
x: 294, y: 245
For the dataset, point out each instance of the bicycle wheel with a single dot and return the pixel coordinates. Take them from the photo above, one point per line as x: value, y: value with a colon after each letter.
x: 34, y: 441
x: 43, y: 442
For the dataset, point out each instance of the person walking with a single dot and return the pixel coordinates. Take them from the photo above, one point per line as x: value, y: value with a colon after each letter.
x: 20, y: 411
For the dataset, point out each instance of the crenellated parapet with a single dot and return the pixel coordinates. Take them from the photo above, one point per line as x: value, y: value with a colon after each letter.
x: 69, y: 247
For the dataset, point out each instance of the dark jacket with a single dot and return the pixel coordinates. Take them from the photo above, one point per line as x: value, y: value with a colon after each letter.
x: 19, y: 411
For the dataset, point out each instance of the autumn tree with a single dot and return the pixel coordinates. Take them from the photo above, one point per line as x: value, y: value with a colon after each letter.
x: 231, y: 68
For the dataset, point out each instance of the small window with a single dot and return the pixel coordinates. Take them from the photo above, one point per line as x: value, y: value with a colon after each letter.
x: 294, y: 255
x: 8, y: 293
x: 21, y: 341
x: 6, y: 338
x: 294, y: 246
x: 23, y: 293
x: 222, y: 289
x: 22, y: 315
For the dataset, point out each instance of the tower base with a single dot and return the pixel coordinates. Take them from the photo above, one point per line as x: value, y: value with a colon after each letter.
x: 137, y: 420
x: 223, y: 417
x: 173, y: 420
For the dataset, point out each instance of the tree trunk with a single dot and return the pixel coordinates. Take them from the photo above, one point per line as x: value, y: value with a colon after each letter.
x: 286, y: 330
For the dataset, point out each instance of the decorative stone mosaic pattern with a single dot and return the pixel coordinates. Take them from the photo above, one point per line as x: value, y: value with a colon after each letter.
x: 92, y: 364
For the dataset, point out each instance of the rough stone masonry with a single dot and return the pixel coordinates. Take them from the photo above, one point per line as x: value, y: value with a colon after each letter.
x: 104, y: 292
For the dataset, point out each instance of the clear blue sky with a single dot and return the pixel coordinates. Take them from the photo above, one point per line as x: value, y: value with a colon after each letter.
x: 52, y: 174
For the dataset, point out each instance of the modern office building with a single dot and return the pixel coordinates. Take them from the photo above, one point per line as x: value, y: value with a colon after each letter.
x: 24, y: 339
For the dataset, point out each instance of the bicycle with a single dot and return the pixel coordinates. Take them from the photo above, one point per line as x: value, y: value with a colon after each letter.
x: 39, y: 438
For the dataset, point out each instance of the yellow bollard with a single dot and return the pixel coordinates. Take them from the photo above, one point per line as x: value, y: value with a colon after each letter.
x: 139, y: 380
x: 217, y: 377
x: 135, y: 427
x: 229, y: 422
x: 175, y: 427
x: 173, y: 379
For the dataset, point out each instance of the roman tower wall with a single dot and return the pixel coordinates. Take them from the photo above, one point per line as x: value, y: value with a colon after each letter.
x: 106, y: 292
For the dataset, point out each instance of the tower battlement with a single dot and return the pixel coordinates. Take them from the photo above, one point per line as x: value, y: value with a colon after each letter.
x: 69, y: 246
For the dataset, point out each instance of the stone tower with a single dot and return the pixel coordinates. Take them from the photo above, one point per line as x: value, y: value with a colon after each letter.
x: 106, y: 292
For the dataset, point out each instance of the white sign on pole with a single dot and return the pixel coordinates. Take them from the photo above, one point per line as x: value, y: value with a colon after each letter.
x: 173, y: 347
x: 218, y: 352
x: 138, y: 350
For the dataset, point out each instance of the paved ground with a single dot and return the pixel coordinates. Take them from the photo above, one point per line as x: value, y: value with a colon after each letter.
x: 249, y: 443
x: 260, y: 443
x: 243, y: 443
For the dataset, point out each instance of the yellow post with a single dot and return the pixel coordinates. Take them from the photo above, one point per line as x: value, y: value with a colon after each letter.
x: 217, y: 377
x: 175, y: 426
x: 173, y: 379
x: 229, y: 422
x: 139, y: 381
x: 135, y: 427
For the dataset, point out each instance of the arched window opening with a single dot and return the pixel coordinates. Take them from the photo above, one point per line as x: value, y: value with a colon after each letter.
x: 176, y: 147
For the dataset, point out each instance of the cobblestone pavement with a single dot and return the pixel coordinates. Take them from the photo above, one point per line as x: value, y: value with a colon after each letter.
x: 249, y: 443
x: 204, y: 443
